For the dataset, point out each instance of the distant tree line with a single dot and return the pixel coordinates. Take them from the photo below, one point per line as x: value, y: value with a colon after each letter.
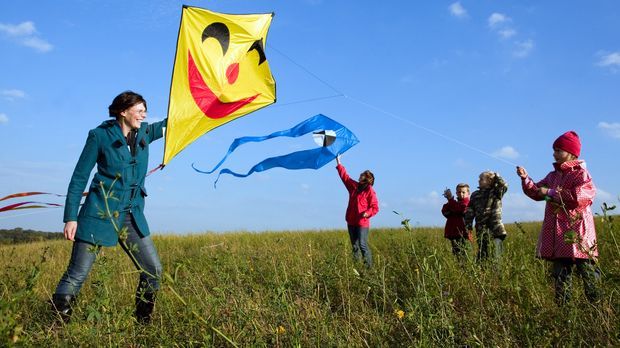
x: 19, y: 235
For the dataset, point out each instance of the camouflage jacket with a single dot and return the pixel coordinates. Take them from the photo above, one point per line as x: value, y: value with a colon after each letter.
x: 485, y: 206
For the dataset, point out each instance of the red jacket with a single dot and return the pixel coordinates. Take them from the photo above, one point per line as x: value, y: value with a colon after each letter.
x: 455, y: 225
x: 360, y: 202
x: 577, y: 193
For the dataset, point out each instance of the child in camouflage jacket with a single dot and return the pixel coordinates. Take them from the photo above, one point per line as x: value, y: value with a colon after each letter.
x: 485, y: 207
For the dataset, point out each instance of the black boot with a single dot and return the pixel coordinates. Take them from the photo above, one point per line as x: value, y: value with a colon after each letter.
x: 144, y: 307
x: 62, y: 306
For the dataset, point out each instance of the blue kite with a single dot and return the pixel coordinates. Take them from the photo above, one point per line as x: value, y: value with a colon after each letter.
x: 332, y: 137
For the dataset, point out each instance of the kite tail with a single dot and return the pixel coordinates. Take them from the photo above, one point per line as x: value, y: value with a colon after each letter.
x: 305, y: 159
x: 233, y: 146
x: 296, y: 160
x: 28, y: 205
x: 316, y: 122
x: 240, y: 141
x: 25, y: 194
x: 223, y: 171
x: 228, y: 171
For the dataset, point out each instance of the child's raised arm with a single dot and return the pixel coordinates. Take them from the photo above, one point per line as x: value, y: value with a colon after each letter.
x: 499, y: 186
x: 530, y: 188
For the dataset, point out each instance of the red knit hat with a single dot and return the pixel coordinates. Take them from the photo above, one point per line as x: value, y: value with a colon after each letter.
x: 568, y: 142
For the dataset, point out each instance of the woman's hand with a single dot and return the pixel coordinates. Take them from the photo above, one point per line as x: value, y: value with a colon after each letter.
x: 338, y: 159
x: 70, y: 229
x: 521, y: 172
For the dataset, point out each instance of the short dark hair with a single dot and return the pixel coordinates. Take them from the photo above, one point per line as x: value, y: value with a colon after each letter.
x: 124, y: 101
x: 370, y: 177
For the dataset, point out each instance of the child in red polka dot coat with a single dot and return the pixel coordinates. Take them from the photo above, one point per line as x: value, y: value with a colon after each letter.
x: 568, y: 236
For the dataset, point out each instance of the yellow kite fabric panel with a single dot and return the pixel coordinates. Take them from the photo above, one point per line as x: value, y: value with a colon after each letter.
x: 220, y: 73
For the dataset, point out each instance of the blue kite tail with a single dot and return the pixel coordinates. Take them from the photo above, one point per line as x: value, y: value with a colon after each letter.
x: 342, y: 140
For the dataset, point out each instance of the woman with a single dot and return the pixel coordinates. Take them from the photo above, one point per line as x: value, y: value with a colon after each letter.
x: 362, y: 206
x: 120, y: 149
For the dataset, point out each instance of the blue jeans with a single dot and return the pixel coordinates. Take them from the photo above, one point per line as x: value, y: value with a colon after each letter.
x: 359, y: 242
x: 83, y: 256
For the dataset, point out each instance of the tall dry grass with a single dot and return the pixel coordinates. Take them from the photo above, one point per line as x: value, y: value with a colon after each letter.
x: 304, y: 289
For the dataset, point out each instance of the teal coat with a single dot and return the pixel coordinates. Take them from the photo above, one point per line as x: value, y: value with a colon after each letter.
x: 106, y: 146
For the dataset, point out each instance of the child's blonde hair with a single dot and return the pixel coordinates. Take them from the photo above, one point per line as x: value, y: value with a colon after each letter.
x: 488, y: 174
x: 462, y: 185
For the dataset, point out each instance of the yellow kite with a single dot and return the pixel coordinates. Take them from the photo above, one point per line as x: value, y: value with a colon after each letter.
x: 220, y: 73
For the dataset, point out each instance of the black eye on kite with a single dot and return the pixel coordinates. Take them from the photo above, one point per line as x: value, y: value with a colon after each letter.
x: 258, y: 46
x: 220, y: 32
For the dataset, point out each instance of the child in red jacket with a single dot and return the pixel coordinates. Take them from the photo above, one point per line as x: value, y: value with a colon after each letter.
x: 362, y: 206
x: 455, y: 225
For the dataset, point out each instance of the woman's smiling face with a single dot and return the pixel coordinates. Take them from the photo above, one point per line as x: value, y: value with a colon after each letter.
x: 134, y: 115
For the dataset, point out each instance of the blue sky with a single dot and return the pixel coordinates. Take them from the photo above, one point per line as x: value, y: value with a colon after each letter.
x: 436, y: 91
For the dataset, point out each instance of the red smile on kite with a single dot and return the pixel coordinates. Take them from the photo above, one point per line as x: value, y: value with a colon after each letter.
x: 205, y: 98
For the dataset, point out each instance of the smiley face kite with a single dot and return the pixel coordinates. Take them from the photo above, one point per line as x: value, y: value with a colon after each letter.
x: 220, y: 73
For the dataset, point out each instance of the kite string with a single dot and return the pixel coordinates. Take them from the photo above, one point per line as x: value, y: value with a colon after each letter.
x: 397, y: 117
x: 307, y: 71
x: 432, y: 131
x: 309, y: 100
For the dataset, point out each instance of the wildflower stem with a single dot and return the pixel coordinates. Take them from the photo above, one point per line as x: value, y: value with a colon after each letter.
x: 224, y: 336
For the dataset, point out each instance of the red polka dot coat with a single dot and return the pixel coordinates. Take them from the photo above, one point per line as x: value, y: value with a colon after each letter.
x: 568, y: 227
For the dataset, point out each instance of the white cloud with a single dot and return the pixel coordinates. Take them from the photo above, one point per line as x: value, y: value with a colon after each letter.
x: 502, y: 26
x: 12, y: 94
x: 519, y: 207
x: 37, y: 43
x: 431, y: 199
x: 496, y: 19
x: 611, y: 60
x: 507, y: 33
x: 19, y: 30
x: 523, y: 48
x: 518, y: 201
x: 612, y: 129
x: 26, y: 35
x: 3, y: 118
x: 506, y: 152
x: 457, y: 10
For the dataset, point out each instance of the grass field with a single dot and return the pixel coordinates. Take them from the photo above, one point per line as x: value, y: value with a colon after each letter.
x: 303, y: 289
